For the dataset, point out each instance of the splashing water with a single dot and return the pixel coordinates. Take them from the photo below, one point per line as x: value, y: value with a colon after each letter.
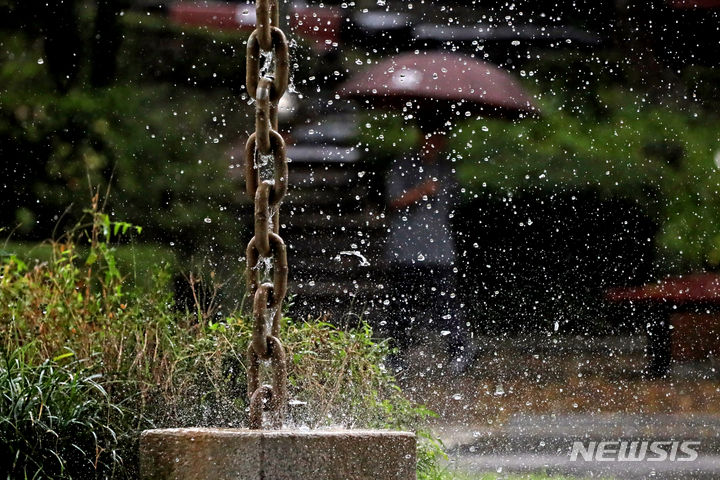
x: 363, y: 260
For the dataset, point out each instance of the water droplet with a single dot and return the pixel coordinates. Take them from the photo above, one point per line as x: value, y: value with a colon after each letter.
x: 363, y: 260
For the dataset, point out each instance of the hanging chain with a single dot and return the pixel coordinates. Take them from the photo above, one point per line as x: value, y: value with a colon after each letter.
x: 266, y: 88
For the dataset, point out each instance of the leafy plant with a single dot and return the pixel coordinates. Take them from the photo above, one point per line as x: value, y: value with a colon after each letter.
x: 74, y: 324
x: 56, y: 144
x: 57, y: 420
x: 595, y: 134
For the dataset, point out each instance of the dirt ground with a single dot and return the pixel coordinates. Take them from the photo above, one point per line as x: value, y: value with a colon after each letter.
x: 567, y: 375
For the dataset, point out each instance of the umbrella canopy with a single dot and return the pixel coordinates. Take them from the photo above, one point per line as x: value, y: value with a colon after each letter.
x: 438, y: 80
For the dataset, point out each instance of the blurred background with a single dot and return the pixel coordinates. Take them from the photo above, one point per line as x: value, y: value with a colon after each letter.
x: 614, y: 184
x: 588, y: 232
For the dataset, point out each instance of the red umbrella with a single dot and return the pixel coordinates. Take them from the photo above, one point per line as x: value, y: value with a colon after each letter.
x: 440, y: 79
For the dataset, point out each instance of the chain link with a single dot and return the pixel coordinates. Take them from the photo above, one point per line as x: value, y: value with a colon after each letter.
x: 266, y: 88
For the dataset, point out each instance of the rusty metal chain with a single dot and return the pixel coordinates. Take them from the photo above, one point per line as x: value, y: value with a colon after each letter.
x: 266, y: 84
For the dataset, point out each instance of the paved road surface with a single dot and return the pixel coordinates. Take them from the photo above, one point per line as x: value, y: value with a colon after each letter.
x: 706, y: 467
x: 542, y: 443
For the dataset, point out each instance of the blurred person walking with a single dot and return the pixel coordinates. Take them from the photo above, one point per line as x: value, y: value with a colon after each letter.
x: 422, y: 195
x: 422, y: 192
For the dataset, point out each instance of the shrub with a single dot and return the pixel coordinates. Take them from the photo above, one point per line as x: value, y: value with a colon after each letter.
x: 597, y: 135
x: 140, y: 361
x: 174, y: 115
x: 55, y: 143
x: 57, y: 420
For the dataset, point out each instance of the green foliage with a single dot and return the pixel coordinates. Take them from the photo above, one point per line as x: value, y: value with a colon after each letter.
x: 162, y: 133
x: 594, y: 134
x: 81, y: 340
x: 658, y: 157
x: 431, y: 458
x: 163, y: 146
x: 156, y: 50
x: 57, y: 420
x: 387, y: 136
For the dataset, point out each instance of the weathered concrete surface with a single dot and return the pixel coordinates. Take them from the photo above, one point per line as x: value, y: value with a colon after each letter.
x: 225, y: 454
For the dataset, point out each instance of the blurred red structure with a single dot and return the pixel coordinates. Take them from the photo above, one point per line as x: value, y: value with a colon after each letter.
x: 320, y: 26
x: 692, y: 4
x: 684, y: 317
x: 213, y: 14
x: 693, y: 288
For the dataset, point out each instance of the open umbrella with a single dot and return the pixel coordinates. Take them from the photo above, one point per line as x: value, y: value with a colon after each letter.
x: 440, y: 81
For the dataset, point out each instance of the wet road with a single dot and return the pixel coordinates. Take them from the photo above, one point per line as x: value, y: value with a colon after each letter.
x: 705, y: 467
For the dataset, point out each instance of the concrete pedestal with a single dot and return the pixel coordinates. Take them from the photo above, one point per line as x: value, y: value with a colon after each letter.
x: 225, y: 454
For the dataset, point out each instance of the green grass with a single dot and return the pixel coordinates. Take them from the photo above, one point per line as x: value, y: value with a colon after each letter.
x: 57, y: 420
x: 136, y: 260
x: 88, y: 360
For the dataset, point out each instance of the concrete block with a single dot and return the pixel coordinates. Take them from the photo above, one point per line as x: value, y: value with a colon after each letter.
x: 238, y: 454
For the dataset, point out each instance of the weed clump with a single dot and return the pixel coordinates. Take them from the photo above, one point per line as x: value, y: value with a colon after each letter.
x: 88, y: 360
